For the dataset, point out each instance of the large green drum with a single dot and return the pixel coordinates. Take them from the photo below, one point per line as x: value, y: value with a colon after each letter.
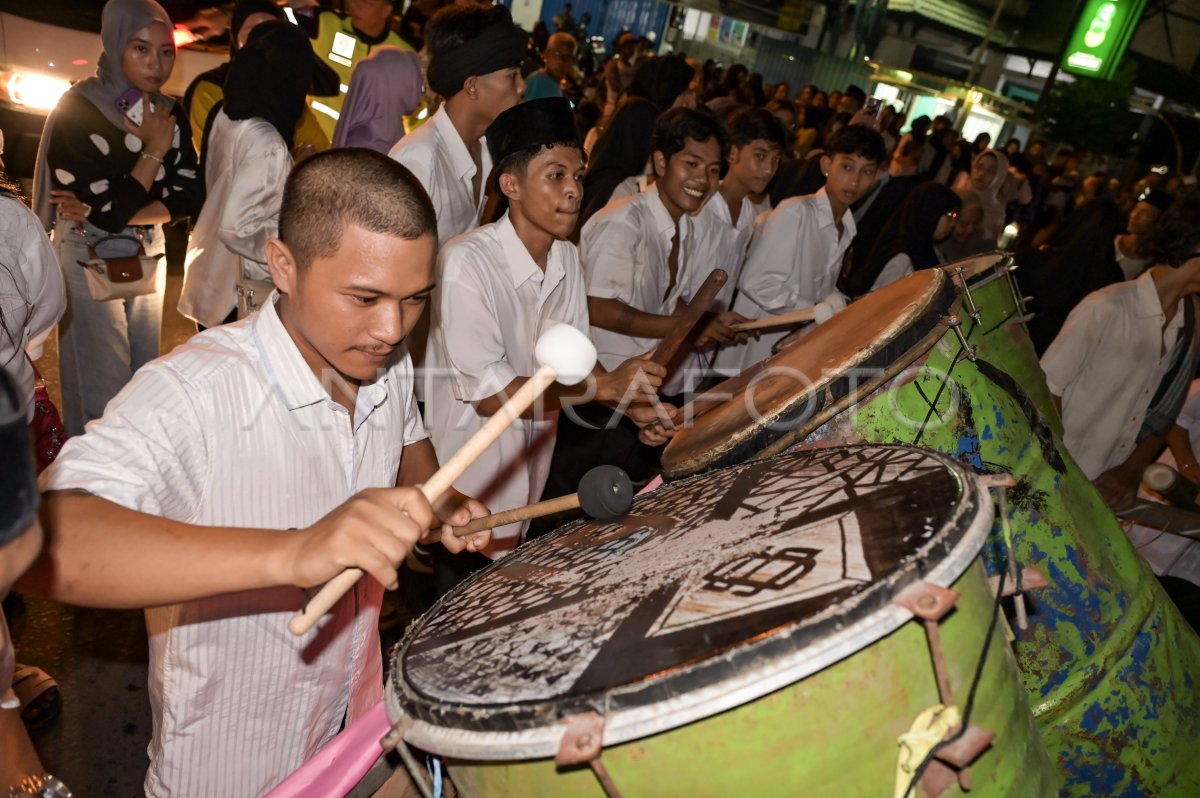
x: 1110, y: 667
x: 748, y: 632
x: 993, y: 320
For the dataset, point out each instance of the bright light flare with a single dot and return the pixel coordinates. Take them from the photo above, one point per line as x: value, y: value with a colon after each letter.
x: 183, y: 36
x: 34, y: 91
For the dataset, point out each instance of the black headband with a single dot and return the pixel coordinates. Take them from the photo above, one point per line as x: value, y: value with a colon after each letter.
x: 496, y: 47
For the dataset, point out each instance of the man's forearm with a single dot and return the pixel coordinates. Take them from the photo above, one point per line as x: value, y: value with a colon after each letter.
x: 99, y: 554
x: 615, y: 316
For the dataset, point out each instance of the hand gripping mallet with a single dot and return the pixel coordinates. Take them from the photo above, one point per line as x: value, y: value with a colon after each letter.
x: 566, y: 355
x: 604, y: 492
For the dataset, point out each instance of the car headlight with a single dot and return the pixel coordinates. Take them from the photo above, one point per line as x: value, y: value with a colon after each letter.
x: 32, y: 90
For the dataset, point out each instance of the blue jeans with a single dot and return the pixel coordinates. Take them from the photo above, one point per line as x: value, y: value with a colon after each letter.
x: 101, y: 344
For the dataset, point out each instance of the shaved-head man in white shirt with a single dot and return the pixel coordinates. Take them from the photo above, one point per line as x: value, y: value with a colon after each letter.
x: 298, y: 418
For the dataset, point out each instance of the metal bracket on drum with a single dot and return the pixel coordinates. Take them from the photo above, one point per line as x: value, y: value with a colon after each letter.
x: 582, y: 744
x: 968, y: 351
x: 930, y: 603
x: 394, y: 741
x: 973, y: 309
x: 1023, y: 579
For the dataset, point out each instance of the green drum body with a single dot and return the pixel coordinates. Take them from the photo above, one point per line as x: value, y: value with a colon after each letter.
x: 1109, y: 665
x: 993, y: 317
x: 747, y: 632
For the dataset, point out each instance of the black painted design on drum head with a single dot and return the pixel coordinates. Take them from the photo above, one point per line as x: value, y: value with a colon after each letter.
x: 704, y: 577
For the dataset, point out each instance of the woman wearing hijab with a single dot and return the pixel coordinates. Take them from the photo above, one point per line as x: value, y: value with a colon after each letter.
x: 386, y: 87
x: 246, y: 165
x: 909, y: 240
x: 107, y: 175
x: 207, y: 89
x: 990, y: 179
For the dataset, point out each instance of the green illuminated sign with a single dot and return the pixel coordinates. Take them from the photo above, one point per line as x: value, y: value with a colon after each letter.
x: 1101, y: 36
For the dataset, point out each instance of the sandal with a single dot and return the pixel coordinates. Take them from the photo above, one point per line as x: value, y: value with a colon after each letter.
x: 41, y: 701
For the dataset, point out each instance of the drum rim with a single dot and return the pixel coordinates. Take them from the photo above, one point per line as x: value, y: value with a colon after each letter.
x: 540, y: 733
x: 1004, y: 265
x: 906, y: 345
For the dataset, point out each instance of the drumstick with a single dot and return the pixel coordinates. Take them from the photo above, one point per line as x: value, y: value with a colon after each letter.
x: 566, y: 355
x: 801, y: 316
x: 1168, y: 483
x: 604, y: 492
x: 699, y: 305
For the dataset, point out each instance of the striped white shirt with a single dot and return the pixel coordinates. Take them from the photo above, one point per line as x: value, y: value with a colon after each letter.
x: 233, y: 429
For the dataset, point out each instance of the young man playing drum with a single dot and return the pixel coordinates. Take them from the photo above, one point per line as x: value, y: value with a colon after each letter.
x: 500, y: 287
x: 638, y: 256
x: 299, y: 418
x: 725, y: 223
x: 1121, y: 366
x: 797, y: 251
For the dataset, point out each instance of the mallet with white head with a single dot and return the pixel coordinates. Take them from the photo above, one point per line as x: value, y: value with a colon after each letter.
x: 567, y: 356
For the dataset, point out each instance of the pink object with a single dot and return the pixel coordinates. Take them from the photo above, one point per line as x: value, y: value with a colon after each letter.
x: 654, y: 485
x: 342, y: 762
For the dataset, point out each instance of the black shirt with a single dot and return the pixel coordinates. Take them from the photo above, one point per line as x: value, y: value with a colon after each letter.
x: 91, y: 157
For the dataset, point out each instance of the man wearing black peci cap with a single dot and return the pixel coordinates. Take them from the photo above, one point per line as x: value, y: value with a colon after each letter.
x: 500, y: 287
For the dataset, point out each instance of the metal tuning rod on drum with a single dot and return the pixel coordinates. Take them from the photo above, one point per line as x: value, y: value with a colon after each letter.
x: 582, y: 743
x: 566, y: 355
x: 1023, y: 578
x: 972, y: 308
x: 951, y: 762
x: 968, y: 351
x: 1016, y: 292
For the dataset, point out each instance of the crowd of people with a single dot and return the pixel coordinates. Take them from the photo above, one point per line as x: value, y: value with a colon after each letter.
x: 383, y: 222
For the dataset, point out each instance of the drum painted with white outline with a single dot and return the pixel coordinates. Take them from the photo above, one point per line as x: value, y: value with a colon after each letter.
x: 738, y: 633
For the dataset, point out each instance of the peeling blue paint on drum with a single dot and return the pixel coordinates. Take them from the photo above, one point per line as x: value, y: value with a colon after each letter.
x: 1103, y: 641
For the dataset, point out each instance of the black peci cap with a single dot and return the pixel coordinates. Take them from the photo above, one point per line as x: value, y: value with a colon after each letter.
x: 535, y: 123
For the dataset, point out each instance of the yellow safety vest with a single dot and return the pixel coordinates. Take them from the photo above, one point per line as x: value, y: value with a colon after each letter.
x: 208, y: 94
x: 337, y: 45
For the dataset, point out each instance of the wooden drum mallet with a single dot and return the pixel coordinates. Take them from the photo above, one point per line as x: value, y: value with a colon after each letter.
x: 604, y: 492
x: 566, y: 355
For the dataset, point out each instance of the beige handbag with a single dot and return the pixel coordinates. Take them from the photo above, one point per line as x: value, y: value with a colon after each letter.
x: 119, y: 278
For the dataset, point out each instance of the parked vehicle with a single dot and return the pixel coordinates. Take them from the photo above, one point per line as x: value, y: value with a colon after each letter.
x: 45, y: 46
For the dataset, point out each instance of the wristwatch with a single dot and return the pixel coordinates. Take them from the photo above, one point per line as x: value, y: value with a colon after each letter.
x: 43, y: 786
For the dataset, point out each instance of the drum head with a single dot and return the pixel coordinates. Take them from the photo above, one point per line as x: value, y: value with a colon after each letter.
x: 982, y: 269
x: 712, y: 592
x: 781, y: 398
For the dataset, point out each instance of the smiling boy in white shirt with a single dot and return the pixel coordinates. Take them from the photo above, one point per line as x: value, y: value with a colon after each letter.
x: 500, y: 287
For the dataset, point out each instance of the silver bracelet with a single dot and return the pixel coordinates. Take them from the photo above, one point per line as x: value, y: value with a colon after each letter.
x: 151, y: 157
x: 43, y: 786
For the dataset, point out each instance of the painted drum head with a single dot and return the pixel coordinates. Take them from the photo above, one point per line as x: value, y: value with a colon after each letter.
x: 781, y: 399
x: 711, y: 593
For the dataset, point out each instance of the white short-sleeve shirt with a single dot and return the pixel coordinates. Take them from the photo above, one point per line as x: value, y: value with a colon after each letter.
x: 436, y: 155
x: 1106, y: 364
x: 626, y: 249
x: 233, y: 429
x: 793, y: 262
x: 491, y: 305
